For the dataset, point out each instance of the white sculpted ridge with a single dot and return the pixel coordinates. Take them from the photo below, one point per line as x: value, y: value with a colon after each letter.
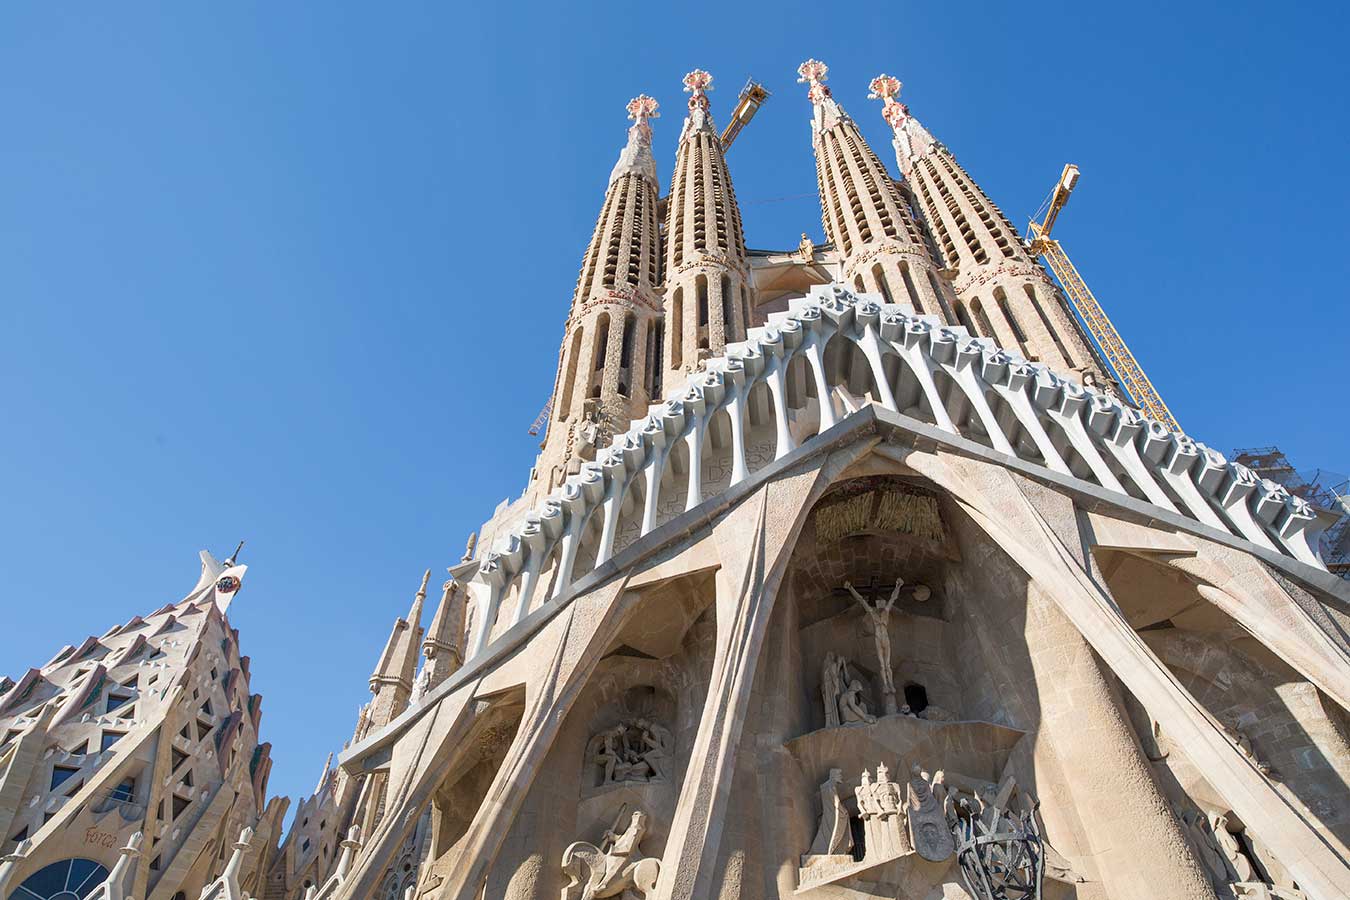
x: 1043, y: 419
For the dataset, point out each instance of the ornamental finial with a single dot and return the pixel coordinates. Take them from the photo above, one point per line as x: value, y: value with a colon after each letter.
x: 641, y: 108
x: 697, y: 83
x: 886, y: 88
x: 814, y: 72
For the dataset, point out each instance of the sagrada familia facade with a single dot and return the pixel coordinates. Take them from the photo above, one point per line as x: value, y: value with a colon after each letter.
x: 843, y: 572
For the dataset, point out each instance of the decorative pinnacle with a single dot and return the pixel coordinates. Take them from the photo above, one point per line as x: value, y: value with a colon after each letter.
x: 814, y: 72
x: 697, y: 83
x: 640, y: 109
x: 422, y: 591
x: 886, y: 88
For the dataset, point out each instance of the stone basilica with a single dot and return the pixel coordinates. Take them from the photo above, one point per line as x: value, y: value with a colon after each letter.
x: 844, y: 572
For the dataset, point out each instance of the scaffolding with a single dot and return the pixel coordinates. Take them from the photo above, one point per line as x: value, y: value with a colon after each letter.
x: 1322, y: 488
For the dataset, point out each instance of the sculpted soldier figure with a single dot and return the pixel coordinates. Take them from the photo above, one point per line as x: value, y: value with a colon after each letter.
x: 832, y: 834
x: 614, y: 869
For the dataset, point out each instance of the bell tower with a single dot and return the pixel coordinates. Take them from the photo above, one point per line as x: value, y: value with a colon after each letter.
x: 1001, y: 291
x: 608, y: 368
x: 707, y: 298
x: 864, y: 212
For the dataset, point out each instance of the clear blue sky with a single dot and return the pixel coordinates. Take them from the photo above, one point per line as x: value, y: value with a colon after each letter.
x: 297, y: 274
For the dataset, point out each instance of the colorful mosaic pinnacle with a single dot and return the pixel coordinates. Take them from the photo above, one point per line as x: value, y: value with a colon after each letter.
x: 886, y: 88
x: 642, y: 108
x: 814, y: 72
x: 697, y: 83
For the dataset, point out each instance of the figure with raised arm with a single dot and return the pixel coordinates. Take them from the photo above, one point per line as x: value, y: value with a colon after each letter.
x: 880, y: 614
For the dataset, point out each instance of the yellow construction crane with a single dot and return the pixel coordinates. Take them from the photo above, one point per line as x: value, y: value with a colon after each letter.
x: 751, y: 97
x: 1127, y: 368
x: 748, y: 102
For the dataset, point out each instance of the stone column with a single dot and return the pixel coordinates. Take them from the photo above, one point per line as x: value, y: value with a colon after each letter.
x: 1138, y: 845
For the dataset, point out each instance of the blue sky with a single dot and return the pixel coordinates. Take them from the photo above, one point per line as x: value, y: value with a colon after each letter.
x: 297, y: 274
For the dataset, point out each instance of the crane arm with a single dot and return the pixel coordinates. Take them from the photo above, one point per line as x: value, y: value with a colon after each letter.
x: 747, y: 104
x: 1103, y: 332
x: 1068, y: 179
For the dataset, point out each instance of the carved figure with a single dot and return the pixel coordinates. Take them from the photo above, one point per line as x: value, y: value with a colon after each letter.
x: 928, y: 829
x: 1231, y: 849
x: 1207, y: 846
x: 890, y: 805
x: 832, y: 834
x: 640, y: 750
x: 656, y: 747
x: 831, y: 686
x: 863, y: 792
x: 1244, y: 744
x: 851, y: 706
x: 615, y: 868
x: 881, y: 617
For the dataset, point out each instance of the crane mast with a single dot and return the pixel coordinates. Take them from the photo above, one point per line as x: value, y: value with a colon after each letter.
x: 1113, y: 347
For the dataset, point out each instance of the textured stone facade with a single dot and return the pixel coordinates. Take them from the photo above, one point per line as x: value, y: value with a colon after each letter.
x: 140, y: 747
x: 884, y: 600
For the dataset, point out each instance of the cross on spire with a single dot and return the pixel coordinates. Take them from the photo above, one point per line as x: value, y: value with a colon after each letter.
x: 697, y: 83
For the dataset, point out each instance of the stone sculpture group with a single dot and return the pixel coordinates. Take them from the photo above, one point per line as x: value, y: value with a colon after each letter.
x: 635, y: 751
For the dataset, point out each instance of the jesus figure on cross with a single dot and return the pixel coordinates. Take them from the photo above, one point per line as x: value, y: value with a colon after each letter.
x: 880, y: 614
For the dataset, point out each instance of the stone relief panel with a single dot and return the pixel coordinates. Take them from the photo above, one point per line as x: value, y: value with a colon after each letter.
x: 635, y: 750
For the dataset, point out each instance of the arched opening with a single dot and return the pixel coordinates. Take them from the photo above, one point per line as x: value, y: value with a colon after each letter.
x: 1001, y: 298
x: 626, y: 342
x: 1049, y: 328
x: 910, y: 289
x: 729, y: 332
x: 916, y: 697
x: 941, y: 298
x: 701, y: 288
x: 655, y: 336
x: 677, y: 329
x: 600, y: 349
x: 802, y: 403
x: 880, y: 276
x: 626, y: 348
x: 906, y: 388
x: 849, y: 374
x: 570, y: 377
x: 986, y: 327
x: 963, y: 317
x: 760, y: 428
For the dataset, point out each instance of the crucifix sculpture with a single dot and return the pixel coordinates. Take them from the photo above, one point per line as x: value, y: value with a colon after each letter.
x: 879, y: 612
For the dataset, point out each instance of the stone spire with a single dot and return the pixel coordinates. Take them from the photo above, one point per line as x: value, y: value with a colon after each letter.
x: 444, y: 644
x: 636, y: 156
x: 608, y: 366
x: 1001, y: 291
x: 865, y: 213
x: 392, y: 680
x: 707, y: 300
